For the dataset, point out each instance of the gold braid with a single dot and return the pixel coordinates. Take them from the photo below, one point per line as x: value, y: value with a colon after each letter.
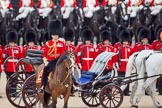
x: 52, y: 48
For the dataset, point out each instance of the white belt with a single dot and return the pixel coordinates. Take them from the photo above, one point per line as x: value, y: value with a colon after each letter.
x: 124, y: 59
x: 87, y: 58
x: 12, y: 60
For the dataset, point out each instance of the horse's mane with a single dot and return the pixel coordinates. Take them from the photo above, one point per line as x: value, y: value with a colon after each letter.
x: 62, y: 57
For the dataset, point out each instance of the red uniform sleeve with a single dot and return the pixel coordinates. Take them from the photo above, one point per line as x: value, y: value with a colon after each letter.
x: 10, y: 5
x: 51, y: 4
x: 104, y: 2
x: 152, y: 3
x: 62, y: 3
x: 75, y: 3
x: 32, y: 3
x: 39, y: 3
x: 129, y: 3
x: 20, y: 4
x: 84, y: 3
x: 96, y: 3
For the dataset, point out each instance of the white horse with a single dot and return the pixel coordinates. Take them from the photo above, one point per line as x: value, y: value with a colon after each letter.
x: 136, y: 61
x: 153, y: 66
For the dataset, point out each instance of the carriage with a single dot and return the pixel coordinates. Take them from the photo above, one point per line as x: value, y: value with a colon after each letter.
x: 96, y: 88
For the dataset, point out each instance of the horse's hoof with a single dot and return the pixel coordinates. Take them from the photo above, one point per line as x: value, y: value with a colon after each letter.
x: 134, y: 106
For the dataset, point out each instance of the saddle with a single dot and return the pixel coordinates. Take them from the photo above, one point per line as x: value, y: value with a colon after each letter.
x: 39, y: 75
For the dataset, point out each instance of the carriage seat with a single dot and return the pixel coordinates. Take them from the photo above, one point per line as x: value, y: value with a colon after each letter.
x: 33, y: 56
x: 87, y: 76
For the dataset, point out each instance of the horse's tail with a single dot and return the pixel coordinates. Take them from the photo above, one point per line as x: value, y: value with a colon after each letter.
x: 130, y: 67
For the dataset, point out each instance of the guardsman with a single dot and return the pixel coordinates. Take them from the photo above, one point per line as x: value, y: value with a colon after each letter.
x: 157, y: 46
x: 157, y: 6
x: 53, y: 49
x: 156, y: 43
x: 45, y: 7
x: 143, y: 39
x: 30, y: 39
x: 112, y: 3
x: 86, y: 52
x: 69, y: 38
x: 25, y: 7
x: 106, y: 46
x: 134, y: 7
x: 67, y: 6
x: 124, y: 52
x: 13, y: 51
x: 89, y: 7
x: 5, y: 6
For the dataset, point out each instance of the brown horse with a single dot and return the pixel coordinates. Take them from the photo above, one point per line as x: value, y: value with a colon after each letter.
x: 59, y: 81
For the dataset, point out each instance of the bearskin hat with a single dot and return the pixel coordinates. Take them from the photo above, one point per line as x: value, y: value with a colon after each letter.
x: 157, y: 28
x: 106, y: 35
x: 46, y: 37
x: 158, y: 34
x: 87, y: 35
x: 12, y: 36
x: 138, y: 30
x: 124, y: 36
x: 55, y: 28
x: 144, y: 33
x: 69, y: 35
x: 30, y: 36
x: 119, y: 30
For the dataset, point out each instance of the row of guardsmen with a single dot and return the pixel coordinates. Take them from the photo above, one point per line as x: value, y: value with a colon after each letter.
x: 85, y: 52
x: 89, y: 6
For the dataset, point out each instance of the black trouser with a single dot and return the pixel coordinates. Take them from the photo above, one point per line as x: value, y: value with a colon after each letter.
x: 122, y: 74
x: 49, y: 68
x: 13, y: 83
x: 159, y: 85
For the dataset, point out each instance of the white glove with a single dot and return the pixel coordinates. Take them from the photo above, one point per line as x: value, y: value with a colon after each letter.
x: 80, y: 66
x: 45, y: 61
x: 141, y: 7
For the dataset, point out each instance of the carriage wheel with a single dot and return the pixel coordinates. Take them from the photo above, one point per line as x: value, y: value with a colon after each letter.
x: 29, y: 92
x: 111, y: 96
x: 90, y: 96
x: 14, y: 89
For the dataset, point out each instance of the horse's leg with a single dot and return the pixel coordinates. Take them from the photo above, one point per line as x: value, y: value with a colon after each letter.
x: 66, y: 98
x: 54, y: 99
x: 140, y: 92
x: 150, y: 87
x: 134, y: 88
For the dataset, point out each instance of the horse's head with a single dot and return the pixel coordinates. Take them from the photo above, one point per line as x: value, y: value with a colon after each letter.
x: 69, y: 59
x: 55, y: 13
x: 34, y: 17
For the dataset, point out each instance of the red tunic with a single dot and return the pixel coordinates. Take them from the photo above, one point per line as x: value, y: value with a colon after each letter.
x: 70, y: 48
x: 28, y: 67
x: 156, y: 45
x: 102, y: 48
x: 63, y: 3
x: 21, y: 3
x: 40, y: 3
x: 52, y: 50
x: 123, y: 55
x: 85, y: 3
x: 16, y: 52
x: 139, y: 47
x: 85, y: 56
